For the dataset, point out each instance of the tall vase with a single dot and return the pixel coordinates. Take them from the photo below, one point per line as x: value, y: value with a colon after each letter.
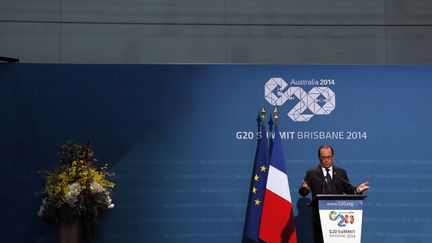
x: 70, y: 232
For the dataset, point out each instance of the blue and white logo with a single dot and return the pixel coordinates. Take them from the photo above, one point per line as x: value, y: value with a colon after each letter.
x: 318, y: 101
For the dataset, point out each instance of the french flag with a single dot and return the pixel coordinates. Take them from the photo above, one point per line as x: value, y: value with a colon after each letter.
x: 277, y: 219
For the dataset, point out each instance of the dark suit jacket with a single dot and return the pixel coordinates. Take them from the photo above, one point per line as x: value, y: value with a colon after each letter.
x: 315, y: 179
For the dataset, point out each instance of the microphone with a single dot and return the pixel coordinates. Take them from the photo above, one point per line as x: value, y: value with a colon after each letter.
x: 326, y: 187
x: 347, y: 182
x: 323, y: 187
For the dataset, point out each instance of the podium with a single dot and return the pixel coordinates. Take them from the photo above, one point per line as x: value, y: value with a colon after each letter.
x: 341, y: 217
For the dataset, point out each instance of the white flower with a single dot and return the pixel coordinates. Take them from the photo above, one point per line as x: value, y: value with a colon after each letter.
x: 109, y: 202
x: 96, y: 188
x: 71, y: 196
x: 42, y: 208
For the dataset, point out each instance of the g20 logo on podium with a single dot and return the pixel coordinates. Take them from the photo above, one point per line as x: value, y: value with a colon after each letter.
x: 317, y: 101
x: 343, y: 220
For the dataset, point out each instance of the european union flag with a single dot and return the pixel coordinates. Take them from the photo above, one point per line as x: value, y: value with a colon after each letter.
x: 257, y: 189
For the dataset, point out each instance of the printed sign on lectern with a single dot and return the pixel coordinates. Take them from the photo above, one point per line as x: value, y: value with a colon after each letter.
x: 341, y: 220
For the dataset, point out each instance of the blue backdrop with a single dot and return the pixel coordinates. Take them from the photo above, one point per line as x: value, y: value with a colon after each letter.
x: 181, y: 140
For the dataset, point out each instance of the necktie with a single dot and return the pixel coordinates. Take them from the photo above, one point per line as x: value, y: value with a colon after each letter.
x: 327, y: 186
x: 328, y: 177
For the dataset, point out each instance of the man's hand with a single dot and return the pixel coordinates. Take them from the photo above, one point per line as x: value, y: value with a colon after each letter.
x: 362, y: 187
x: 305, y: 186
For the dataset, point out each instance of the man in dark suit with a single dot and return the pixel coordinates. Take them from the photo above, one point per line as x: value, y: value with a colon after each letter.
x: 327, y: 178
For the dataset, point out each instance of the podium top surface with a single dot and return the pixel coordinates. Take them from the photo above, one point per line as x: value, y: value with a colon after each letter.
x: 319, y: 197
x: 340, y: 196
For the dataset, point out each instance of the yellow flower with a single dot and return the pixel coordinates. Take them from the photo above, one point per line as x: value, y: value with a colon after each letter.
x: 77, y: 175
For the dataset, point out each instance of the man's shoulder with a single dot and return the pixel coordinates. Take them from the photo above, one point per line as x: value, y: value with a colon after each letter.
x: 339, y: 169
x: 314, y: 169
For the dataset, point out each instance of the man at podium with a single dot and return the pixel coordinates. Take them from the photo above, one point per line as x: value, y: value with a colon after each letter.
x: 326, y: 178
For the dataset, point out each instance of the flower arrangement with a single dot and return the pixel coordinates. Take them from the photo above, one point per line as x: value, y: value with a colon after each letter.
x: 77, y: 189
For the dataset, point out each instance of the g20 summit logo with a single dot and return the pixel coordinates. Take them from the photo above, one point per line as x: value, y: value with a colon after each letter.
x: 342, y: 220
x: 319, y: 100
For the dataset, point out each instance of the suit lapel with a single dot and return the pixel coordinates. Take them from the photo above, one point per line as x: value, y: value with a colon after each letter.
x: 336, y: 172
x: 319, y: 172
x: 320, y: 180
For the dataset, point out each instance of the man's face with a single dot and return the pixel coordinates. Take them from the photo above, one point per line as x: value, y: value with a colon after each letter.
x: 326, y: 157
